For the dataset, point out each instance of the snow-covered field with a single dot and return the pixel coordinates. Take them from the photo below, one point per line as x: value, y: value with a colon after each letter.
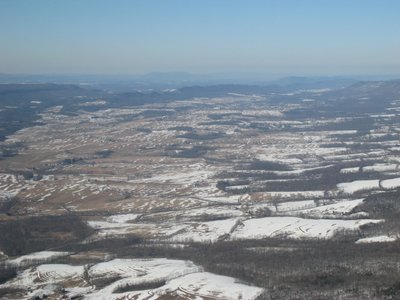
x: 377, y: 239
x: 341, y: 209
x: 390, y: 183
x: 132, y: 279
x: 35, y: 258
x: 367, y: 185
x: 297, y: 228
x: 206, y: 231
x: 358, y: 185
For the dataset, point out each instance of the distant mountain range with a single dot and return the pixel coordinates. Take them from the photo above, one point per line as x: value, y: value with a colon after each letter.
x: 175, y: 80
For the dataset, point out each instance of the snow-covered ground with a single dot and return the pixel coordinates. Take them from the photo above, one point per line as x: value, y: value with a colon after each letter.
x: 350, y: 170
x: 35, y: 258
x: 390, y: 183
x: 155, y: 278
x: 380, y: 168
x: 336, y: 210
x: 358, y: 185
x: 122, y: 218
x: 367, y: 185
x: 46, y: 274
x: 377, y: 239
x: 297, y: 228
x: 206, y: 231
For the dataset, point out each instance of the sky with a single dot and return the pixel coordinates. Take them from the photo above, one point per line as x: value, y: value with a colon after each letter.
x: 131, y: 37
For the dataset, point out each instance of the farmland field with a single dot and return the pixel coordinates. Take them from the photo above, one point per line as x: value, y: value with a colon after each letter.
x: 271, y: 195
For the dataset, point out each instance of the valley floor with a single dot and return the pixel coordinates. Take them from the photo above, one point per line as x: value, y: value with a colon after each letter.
x: 212, y: 198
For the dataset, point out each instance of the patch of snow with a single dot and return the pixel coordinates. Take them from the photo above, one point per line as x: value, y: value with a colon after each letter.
x: 391, y: 183
x: 377, y: 239
x: 296, y: 228
x: 210, y: 286
x: 36, y: 257
x: 206, y: 231
x: 350, y: 170
x: 123, y: 218
x: 45, y: 274
x: 380, y: 168
x: 335, y: 210
x: 295, y: 205
x: 358, y: 185
x: 107, y: 225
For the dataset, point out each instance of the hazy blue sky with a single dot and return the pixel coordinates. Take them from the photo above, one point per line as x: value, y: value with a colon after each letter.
x: 128, y: 36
